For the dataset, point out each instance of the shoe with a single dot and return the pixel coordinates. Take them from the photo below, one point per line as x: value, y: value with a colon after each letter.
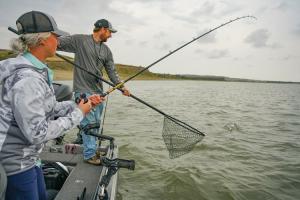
x: 100, y: 153
x: 93, y: 160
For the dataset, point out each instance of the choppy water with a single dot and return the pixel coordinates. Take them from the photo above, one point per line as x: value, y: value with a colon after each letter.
x: 251, y: 151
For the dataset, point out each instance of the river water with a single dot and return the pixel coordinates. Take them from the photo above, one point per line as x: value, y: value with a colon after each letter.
x: 251, y: 149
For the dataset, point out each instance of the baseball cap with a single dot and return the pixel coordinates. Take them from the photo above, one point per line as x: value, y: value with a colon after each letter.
x: 105, y: 24
x: 37, y: 22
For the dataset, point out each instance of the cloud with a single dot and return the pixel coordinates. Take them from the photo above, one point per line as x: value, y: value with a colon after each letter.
x: 275, y: 46
x: 126, y: 12
x: 160, y: 35
x: 227, y: 8
x: 297, y: 30
x: 129, y: 42
x: 216, y: 9
x: 143, y: 44
x: 147, y: 1
x: 209, y: 38
x: 261, y: 10
x: 199, y: 51
x: 216, y: 54
x: 279, y: 6
x: 258, y: 38
x: 203, y: 13
x: 283, y: 6
x: 206, y: 9
x: 13, y: 9
x: 122, y: 15
x: 165, y: 46
x: 289, y: 57
x: 185, y: 18
x: 286, y: 58
x: 191, y: 14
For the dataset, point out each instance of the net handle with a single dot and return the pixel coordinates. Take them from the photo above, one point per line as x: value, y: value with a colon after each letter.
x: 132, y: 96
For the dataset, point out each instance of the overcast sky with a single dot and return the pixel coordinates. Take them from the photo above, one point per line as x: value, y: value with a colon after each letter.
x: 266, y: 49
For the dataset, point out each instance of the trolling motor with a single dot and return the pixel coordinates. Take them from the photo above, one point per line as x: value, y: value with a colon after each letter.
x: 113, y: 166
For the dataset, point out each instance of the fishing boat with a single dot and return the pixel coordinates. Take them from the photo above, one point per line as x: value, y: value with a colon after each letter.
x: 68, y: 177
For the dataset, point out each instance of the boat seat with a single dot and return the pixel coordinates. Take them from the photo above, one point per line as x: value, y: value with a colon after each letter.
x: 3, y: 182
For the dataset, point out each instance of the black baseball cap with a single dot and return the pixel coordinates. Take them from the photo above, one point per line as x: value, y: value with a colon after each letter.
x: 37, y: 22
x: 105, y: 24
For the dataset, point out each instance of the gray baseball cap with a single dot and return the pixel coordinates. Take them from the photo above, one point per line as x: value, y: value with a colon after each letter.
x: 37, y: 22
x: 105, y: 24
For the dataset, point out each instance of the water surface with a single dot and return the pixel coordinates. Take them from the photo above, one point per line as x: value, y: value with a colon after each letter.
x: 251, y: 149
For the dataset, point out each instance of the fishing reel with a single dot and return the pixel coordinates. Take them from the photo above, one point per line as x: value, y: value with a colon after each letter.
x: 82, y: 96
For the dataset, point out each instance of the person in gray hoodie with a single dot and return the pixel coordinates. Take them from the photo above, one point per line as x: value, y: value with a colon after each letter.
x: 29, y: 112
x: 94, y: 55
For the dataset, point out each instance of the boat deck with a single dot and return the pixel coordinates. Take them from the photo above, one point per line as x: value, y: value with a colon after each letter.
x: 82, y: 176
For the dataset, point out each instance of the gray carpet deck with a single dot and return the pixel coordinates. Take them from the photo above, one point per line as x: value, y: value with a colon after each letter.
x: 82, y: 176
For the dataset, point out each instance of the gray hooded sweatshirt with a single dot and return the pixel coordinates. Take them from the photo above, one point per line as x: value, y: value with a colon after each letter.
x: 29, y: 114
x: 94, y: 57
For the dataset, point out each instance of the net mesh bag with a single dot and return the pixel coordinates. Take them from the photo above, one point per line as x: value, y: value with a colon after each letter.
x: 179, y: 137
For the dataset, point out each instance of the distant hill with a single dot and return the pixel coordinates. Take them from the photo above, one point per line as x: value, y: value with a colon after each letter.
x: 64, y: 71
x: 125, y: 71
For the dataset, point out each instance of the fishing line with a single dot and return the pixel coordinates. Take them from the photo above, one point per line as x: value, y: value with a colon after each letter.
x: 104, y: 115
x: 179, y: 137
x: 172, y: 52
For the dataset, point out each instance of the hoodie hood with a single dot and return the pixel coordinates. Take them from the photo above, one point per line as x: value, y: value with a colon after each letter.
x: 9, y: 66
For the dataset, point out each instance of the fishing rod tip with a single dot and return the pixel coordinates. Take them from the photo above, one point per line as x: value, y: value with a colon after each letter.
x: 252, y: 16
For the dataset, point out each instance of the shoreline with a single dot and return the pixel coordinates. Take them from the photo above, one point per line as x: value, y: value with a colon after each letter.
x: 67, y: 75
x: 64, y: 71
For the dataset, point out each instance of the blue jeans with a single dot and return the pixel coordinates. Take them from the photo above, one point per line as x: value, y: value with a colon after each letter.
x: 90, y: 142
x: 27, y: 185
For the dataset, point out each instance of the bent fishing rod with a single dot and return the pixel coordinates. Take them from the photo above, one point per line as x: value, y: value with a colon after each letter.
x: 131, y: 95
x: 183, y: 124
x: 172, y: 52
x: 179, y: 137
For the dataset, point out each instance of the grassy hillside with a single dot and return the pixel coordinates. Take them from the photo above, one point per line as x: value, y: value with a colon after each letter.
x: 6, y: 54
x: 64, y: 70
